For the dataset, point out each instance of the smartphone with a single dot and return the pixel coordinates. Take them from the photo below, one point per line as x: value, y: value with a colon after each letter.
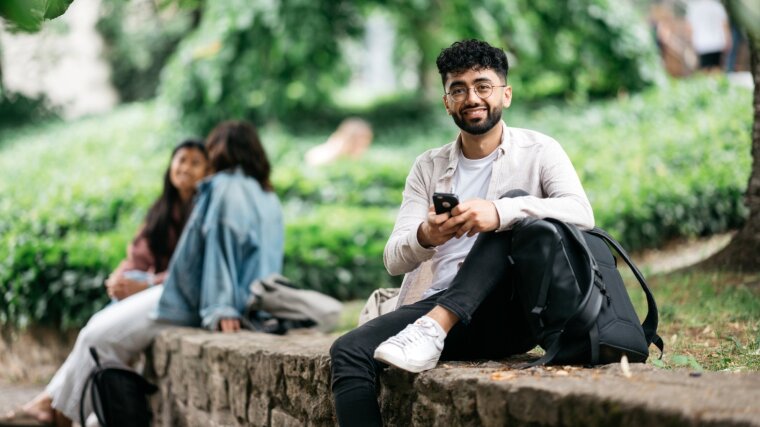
x: 444, y: 202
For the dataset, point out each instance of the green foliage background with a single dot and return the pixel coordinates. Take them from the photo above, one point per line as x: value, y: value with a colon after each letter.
x: 139, y: 38
x: 28, y: 15
x: 259, y: 59
x: 573, y: 48
x: 669, y: 162
x: 283, y: 60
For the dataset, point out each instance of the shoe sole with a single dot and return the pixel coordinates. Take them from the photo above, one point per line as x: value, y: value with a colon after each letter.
x: 403, y: 364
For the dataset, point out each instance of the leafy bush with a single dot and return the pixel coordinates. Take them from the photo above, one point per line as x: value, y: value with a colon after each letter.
x: 70, y: 200
x: 245, y: 59
x: 344, y: 183
x: 259, y: 59
x: 339, y: 250
x: 17, y: 109
x: 666, y: 163
x: 573, y: 49
x: 139, y: 39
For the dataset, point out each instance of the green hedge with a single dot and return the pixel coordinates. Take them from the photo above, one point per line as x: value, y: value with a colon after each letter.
x: 70, y: 199
x: 344, y: 183
x: 139, y: 38
x: 339, y: 250
x: 671, y: 162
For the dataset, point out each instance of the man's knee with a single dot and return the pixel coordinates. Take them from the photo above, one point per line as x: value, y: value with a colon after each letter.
x: 511, y: 194
x: 88, y: 337
x: 349, y: 346
x: 338, y: 347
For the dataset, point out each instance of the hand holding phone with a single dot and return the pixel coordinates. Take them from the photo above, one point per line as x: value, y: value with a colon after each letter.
x: 444, y: 202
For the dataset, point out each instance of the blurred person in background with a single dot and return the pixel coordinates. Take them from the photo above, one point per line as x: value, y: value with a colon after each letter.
x: 710, y: 32
x: 148, y: 256
x: 737, y: 41
x: 234, y: 236
x: 149, y: 253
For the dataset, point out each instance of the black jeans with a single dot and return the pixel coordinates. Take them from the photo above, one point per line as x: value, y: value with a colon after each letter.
x: 492, y: 326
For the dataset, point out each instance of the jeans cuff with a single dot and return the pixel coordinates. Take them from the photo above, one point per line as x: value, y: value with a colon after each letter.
x: 455, y: 308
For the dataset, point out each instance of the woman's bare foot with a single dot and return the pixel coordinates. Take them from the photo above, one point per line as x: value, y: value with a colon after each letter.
x: 40, y: 408
x: 38, y: 411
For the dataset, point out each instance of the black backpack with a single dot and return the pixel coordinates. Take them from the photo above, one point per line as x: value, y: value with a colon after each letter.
x: 575, y: 300
x: 119, y: 396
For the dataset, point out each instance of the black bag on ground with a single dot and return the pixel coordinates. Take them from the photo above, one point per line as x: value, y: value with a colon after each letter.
x: 119, y: 396
x: 575, y: 300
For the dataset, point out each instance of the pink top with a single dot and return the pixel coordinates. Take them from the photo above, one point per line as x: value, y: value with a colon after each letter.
x: 140, y: 257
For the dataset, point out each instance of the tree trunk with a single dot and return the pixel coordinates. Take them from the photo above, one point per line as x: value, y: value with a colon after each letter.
x: 2, y: 86
x: 743, y: 252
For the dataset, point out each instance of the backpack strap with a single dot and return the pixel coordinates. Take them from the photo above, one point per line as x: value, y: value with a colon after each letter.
x: 543, y: 289
x: 584, y: 318
x: 597, y: 291
x: 650, y: 322
x: 87, y: 384
x: 84, y: 396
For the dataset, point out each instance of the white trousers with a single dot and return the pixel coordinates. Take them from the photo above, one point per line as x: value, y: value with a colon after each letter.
x: 119, y: 332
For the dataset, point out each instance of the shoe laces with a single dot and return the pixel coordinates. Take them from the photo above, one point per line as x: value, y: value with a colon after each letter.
x: 413, y: 334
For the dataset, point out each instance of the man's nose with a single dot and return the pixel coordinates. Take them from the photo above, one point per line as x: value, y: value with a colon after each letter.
x: 472, y: 96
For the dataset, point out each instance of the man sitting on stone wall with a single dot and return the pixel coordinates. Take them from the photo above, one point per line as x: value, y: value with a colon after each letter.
x: 460, y: 313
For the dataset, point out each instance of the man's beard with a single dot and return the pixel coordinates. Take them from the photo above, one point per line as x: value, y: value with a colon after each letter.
x: 492, y: 118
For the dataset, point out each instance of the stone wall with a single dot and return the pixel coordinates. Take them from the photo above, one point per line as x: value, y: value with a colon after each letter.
x: 249, y: 379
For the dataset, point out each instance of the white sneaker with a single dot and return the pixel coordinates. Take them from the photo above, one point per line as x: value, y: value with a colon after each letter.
x: 416, y: 348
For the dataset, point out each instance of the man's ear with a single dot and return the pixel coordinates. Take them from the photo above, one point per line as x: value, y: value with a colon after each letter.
x: 446, y: 104
x: 507, y: 96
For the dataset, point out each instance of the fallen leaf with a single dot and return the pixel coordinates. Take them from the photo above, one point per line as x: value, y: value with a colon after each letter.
x: 503, y: 376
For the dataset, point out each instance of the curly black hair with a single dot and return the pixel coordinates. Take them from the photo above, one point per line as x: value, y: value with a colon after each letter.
x: 471, y: 55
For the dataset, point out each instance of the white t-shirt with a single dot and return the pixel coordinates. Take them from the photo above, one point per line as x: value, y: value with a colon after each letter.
x: 470, y: 181
x: 707, y: 19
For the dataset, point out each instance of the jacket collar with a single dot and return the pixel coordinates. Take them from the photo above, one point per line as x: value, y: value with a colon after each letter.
x: 206, y: 183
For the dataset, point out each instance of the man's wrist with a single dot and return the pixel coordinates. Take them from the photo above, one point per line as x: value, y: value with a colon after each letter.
x: 497, y: 225
x: 421, y: 238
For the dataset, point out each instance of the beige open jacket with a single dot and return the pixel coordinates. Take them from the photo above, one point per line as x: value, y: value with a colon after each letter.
x: 526, y: 160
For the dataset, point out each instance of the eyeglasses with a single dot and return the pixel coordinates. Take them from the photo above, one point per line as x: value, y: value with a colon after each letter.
x: 483, y: 90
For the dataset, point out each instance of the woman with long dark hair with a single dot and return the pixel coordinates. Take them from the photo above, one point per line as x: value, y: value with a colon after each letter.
x: 148, y: 256
x: 149, y: 252
x: 234, y: 235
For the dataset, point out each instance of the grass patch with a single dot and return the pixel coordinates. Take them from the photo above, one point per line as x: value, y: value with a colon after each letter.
x: 708, y: 320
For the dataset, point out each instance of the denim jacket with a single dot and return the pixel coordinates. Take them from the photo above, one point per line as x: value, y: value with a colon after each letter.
x: 234, y: 236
